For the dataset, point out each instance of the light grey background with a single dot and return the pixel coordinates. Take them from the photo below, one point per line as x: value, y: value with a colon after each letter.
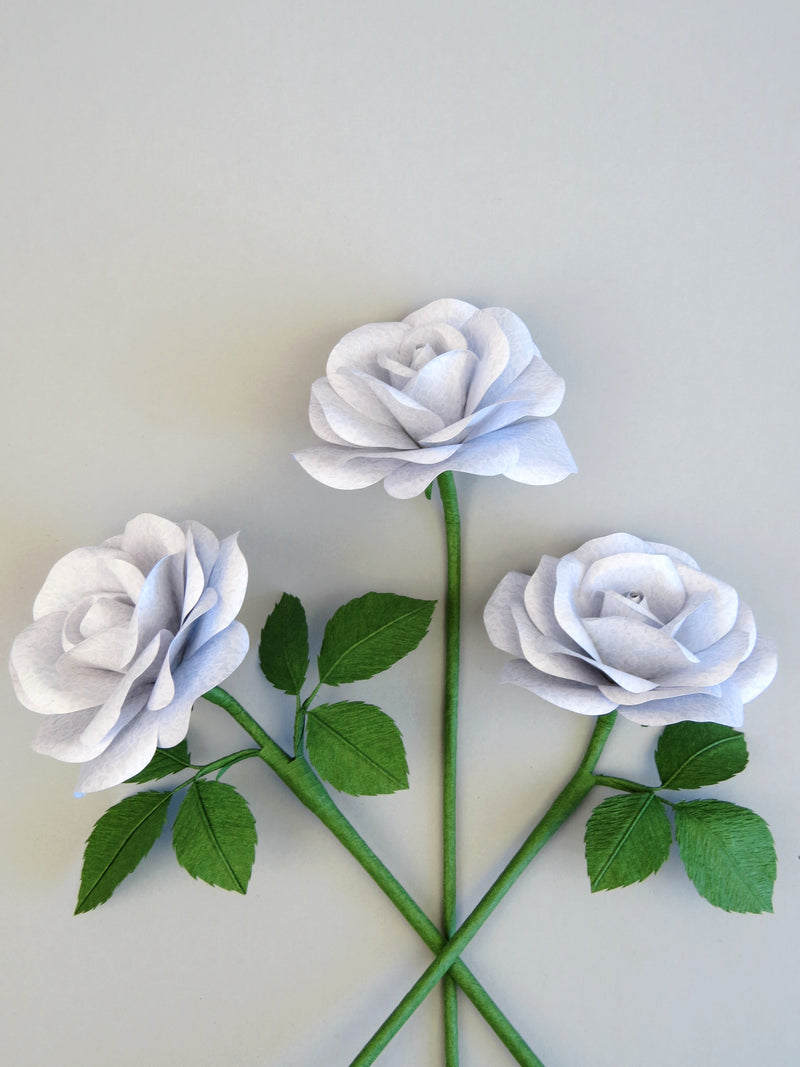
x: 199, y: 199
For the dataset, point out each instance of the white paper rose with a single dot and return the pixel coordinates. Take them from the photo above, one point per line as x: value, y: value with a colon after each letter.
x: 450, y: 388
x: 127, y: 636
x: 628, y: 623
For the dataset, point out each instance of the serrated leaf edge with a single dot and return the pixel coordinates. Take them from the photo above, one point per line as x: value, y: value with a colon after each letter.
x: 696, y: 755
x: 421, y: 605
x: 692, y: 803
x: 363, y: 755
x: 85, y: 896
x: 209, y: 829
x: 595, y: 881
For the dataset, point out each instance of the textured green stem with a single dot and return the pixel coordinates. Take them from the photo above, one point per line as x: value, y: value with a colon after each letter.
x: 452, y: 526
x: 576, y: 790
x: 308, y: 789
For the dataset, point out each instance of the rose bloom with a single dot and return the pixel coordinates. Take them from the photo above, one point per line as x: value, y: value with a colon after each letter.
x: 450, y: 388
x: 631, y: 624
x: 126, y: 637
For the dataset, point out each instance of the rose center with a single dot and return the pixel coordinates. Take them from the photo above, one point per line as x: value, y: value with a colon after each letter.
x: 635, y: 596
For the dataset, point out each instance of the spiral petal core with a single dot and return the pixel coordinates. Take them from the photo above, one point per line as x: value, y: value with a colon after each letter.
x: 635, y: 625
x: 450, y: 388
x: 126, y: 636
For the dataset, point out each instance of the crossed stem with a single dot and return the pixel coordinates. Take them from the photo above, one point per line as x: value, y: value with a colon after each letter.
x: 301, y: 780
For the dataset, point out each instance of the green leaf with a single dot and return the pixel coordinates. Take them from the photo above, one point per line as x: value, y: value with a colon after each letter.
x: 728, y: 853
x: 166, y: 761
x: 121, y: 838
x: 215, y: 835
x: 370, y: 634
x: 357, y: 748
x: 694, y: 754
x: 283, y: 648
x: 627, y: 839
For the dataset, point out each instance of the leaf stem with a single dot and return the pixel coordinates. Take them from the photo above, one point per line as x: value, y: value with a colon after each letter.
x: 308, y: 789
x: 452, y: 525
x: 625, y: 784
x: 567, y: 801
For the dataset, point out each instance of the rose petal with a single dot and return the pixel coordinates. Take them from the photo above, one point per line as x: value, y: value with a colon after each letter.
x: 87, y: 572
x: 349, y: 425
x: 498, y: 616
x: 38, y: 675
x: 725, y: 709
x: 542, y: 455
x: 359, y: 350
x: 148, y: 538
x: 344, y: 468
x: 446, y: 310
x: 637, y: 648
x: 129, y: 752
x: 586, y: 700
x: 717, y: 614
x: 441, y: 386
x: 654, y: 576
x: 754, y: 675
x: 504, y: 346
x: 216, y: 660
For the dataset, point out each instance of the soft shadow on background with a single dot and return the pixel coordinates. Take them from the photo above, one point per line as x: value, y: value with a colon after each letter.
x: 198, y: 201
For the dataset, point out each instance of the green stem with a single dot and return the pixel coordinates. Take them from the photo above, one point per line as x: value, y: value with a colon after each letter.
x: 573, y: 794
x: 452, y: 526
x: 224, y: 763
x: 308, y: 789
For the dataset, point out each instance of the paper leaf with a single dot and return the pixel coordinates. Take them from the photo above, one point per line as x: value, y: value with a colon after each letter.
x: 166, y: 761
x: 627, y: 839
x: 119, y: 841
x: 370, y: 634
x: 690, y: 755
x: 357, y: 748
x: 215, y: 835
x: 283, y: 648
x: 728, y: 853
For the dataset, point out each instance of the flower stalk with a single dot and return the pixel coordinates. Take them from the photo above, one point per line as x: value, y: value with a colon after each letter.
x: 452, y: 525
x: 568, y: 800
x: 301, y: 780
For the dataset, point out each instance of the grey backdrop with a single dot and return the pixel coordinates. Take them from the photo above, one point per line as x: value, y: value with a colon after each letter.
x: 199, y: 199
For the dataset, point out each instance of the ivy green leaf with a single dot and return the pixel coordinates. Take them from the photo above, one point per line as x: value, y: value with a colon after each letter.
x: 370, y: 634
x: 728, y: 853
x: 215, y: 835
x: 357, y: 748
x: 120, y: 839
x: 627, y: 839
x: 283, y: 648
x: 166, y: 761
x: 694, y: 754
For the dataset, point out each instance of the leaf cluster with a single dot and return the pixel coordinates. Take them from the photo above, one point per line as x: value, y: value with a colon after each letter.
x: 352, y: 745
x: 727, y: 850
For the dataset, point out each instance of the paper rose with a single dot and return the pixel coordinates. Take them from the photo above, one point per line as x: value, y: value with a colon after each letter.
x: 450, y: 388
x: 126, y: 637
x: 628, y: 623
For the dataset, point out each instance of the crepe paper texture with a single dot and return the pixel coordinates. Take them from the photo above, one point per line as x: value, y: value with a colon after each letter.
x: 127, y: 635
x: 633, y: 624
x: 450, y: 388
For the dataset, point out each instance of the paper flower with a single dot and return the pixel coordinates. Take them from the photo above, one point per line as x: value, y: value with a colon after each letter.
x: 126, y: 637
x: 628, y: 623
x: 450, y: 388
